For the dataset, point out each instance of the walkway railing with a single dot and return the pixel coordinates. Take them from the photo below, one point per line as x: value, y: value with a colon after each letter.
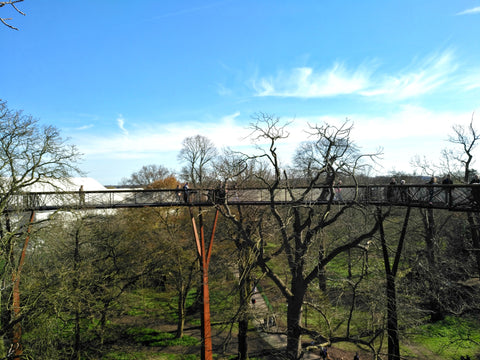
x: 452, y: 197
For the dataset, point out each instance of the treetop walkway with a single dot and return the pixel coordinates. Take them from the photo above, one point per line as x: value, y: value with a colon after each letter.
x: 449, y: 197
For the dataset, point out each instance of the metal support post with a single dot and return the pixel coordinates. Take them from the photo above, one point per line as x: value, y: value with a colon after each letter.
x: 204, y: 255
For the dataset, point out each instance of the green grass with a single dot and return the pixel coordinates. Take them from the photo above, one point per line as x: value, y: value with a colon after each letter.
x: 143, y: 356
x: 149, y: 303
x: 123, y: 356
x: 151, y: 337
x: 451, y: 337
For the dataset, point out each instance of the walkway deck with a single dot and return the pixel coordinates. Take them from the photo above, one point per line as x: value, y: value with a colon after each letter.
x: 449, y: 197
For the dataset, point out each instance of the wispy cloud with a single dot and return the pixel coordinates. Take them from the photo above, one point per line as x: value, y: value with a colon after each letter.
x: 304, y: 82
x: 421, y: 77
x: 121, y: 124
x: 407, y: 132
x: 84, y: 127
x: 223, y: 90
x: 403, y: 133
x: 470, y: 80
x: 475, y: 10
x: 148, y: 140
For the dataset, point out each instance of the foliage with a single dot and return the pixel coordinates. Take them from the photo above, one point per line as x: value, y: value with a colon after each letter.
x: 148, y: 303
x: 148, y: 356
x: 30, y: 154
x: 148, y: 175
x: 197, y: 153
x: 451, y: 336
x: 96, y: 281
x: 151, y: 337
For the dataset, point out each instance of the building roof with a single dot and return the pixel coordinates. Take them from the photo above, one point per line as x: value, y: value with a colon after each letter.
x: 67, y: 184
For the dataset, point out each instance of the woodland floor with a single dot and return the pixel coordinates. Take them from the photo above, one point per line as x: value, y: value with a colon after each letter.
x: 258, y: 347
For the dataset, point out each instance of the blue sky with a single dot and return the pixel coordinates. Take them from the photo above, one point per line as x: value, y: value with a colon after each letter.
x: 127, y: 81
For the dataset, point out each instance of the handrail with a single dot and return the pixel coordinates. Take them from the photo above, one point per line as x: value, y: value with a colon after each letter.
x: 451, y: 197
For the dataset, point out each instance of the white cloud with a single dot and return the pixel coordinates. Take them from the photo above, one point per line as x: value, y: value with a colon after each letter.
x: 121, y: 124
x: 410, y: 122
x: 425, y: 77
x: 84, y: 127
x: 159, y: 138
x: 404, y: 133
x: 470, y: 80
x: 222, y: 90
x: 420, y: 78
x: 229, y: 120
x: 412, y: 131
x: 304, y: 82
x: 475, y: 10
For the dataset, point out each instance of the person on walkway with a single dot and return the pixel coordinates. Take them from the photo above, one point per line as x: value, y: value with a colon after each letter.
x: 448, y: 191
x: 476, y: 189
x: 403, y: 192
x: 178, y: 192
x: 81, y: 194
x: 391, y: 190
x: 338, y: 191
x: 185, y: 192
x: 431, y: 189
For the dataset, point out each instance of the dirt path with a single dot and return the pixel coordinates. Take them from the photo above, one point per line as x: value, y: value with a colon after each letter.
x: 265, y: 322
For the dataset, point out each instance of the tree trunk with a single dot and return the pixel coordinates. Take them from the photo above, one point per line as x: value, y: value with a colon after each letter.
x: 76, y: 345
x: 294, y: 317
x: 244, y: 313
x: 181, y: 312
x: 322, y: 279
x: 392, y: 322
x: 75, y: 283
x: 429, y: 221
x: 103, y: 320
x: 242, y: 337
x: 391, y: 273
x: 474, y: 230
x: 349, y: 264
x: 434, y: 304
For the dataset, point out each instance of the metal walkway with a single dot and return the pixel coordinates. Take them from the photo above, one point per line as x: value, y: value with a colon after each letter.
x: 450, y: 197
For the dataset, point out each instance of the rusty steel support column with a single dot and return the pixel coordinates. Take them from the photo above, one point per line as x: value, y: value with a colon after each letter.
x: 17, y: 328
x: 204, y: 255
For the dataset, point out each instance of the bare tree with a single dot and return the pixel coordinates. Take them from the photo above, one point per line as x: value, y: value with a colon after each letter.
x: 391, y: 270
x: 247, y: 224
x: 468, y: 139
x: 179, y: 263
x: 12, y: 3
x: 147, y: 175
x: 29, y: 154
x: 198, y: 152
x: 300, y: 228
